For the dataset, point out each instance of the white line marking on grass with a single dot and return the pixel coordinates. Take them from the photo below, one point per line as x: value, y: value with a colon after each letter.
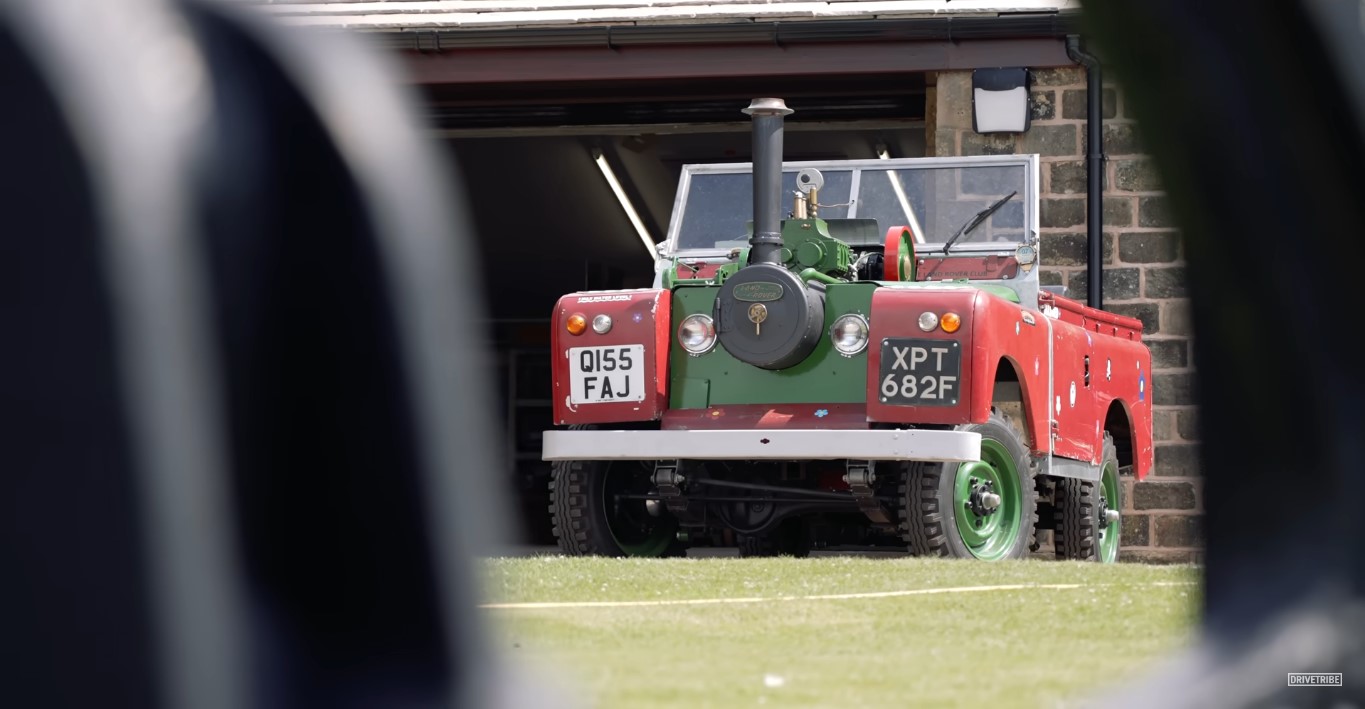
x: 823, y: 597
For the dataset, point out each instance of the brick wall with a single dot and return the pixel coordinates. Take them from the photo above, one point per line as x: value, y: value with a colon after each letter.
x: 1144, y: 273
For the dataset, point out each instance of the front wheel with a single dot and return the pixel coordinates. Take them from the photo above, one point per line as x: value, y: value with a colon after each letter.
x: 1087, y: 521
x: 596, y: 510
x: 983, y: 510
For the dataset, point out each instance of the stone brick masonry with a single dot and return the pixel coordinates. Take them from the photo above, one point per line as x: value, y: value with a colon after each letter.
x: 1144, y: 273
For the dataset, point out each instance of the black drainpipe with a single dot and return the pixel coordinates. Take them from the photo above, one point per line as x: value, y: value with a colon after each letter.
x: 1094, y: 170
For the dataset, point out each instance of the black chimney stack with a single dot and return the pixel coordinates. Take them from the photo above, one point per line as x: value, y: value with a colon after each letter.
x: 765, y: 246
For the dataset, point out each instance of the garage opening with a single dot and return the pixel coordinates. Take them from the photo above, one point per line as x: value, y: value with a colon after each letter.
x: 548, y: 222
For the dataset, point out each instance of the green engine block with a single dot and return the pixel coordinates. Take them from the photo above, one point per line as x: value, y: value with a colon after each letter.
x: 807, y: 244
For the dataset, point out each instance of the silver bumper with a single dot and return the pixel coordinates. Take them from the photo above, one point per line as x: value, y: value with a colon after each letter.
x: 945, y: 446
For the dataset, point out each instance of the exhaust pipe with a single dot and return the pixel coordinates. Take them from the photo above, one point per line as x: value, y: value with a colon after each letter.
x: 765, y: 246
x: 765, y: 314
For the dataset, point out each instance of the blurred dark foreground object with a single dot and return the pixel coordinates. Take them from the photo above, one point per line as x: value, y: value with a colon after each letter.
x: 1255, y: 115
x: 244, y: 418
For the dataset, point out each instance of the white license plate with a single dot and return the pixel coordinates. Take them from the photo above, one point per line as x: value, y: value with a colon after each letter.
x: 602, y: 374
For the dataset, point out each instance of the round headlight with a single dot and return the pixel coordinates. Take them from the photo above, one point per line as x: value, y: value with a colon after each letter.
x: 601, y: 324
x: 928, y: 321
x: 849, y: 334
x: 697, y: 334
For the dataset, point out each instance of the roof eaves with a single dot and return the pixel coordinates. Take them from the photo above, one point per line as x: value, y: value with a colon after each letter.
x: 403, y: 15
x: 953, y: 28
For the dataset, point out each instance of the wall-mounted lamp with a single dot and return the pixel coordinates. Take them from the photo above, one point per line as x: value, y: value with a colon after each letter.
x: 1000, y: 100
x: 626, y: 206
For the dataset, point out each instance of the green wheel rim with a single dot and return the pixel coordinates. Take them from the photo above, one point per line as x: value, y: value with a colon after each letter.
x: 635, y: 531
x: 991, y: 535
x: 1110, y: 532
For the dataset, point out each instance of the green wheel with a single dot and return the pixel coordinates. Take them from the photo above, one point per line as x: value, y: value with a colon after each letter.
x: 1088, y: 525
x: 590, y: 517
x: 983, y: 510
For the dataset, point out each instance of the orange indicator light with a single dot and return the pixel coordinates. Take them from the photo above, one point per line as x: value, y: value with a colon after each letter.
x: 576, y: 324
x: 950, y: 322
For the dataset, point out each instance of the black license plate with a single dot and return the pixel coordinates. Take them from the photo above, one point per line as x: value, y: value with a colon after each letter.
x: 920, y: 372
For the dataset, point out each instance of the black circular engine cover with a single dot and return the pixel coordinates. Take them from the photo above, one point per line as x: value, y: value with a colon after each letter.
x: 790, y: 316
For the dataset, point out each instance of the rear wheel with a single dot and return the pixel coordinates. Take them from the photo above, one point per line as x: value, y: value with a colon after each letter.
x: 592, y: 514
x: 983, y: 510
x: 1088, y: 525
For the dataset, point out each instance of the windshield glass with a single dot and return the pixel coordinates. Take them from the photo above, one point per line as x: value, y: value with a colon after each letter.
x: 935, y: 200
x: 945, y: 200
x: 720, y: 207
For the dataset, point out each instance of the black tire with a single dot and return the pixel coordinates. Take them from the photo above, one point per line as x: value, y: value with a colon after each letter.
x: 929, y: 516
x: 1079, y: 511
x: 789, y: 539
x: 586, y: 522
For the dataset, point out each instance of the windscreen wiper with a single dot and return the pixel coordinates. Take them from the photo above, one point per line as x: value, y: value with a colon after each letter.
x: 976, y: 221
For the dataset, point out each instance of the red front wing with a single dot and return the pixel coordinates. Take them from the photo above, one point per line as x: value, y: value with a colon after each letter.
x: 589, y: 367
x: 1097, y: 360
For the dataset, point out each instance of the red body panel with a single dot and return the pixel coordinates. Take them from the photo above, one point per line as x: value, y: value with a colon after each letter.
x: 1092, y: 320
x: 698, y: 269
x: 895, y: 313
x: 761, y: 416
x: 1120, y: 375
x: 1073, y: 406
x: 1006, y: 335
x: 1069, y: 413
x: 978, y: 267
x: 640, y: 317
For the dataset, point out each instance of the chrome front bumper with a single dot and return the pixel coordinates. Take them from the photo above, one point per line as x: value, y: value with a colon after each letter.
x: 942, y: 446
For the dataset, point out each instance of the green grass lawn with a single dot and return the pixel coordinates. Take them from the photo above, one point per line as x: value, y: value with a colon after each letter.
x: 1031, y: 647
